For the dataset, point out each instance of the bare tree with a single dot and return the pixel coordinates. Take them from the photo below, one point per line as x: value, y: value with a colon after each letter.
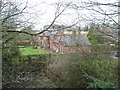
x: 100, y: 13
x: 16, y: 13
x: 110, y: 15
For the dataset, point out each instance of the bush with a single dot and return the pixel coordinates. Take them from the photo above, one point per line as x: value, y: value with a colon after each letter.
x: 9, y: 52
x: 35, y: 47
x: 92, y: 37
x: 68, y: 71
x: 103, y: 85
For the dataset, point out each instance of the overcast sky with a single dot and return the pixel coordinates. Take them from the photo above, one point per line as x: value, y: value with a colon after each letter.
x: 42, y: 12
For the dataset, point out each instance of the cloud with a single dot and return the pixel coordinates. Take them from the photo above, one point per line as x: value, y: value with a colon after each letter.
x: 42, y: 12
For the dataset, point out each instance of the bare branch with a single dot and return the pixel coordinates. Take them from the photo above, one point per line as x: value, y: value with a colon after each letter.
x: 41, y: 31
x: 9, y: 16
x: 108, y: 35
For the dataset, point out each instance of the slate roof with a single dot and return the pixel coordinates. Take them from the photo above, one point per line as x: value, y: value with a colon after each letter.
x: 70, y: 40
x: 53, y: 33
x: 83, y: 40
x: 57, y: 39
x: 49, y: 33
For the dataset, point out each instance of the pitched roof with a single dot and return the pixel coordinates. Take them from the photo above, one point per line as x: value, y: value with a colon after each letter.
x: 52, y: 34
x: 49, y: 33
x: 83, y: 40
x: 70, y: 40
x: 57, y: 39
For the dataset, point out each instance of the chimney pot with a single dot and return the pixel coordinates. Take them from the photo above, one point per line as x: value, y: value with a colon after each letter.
x: 59, y: 28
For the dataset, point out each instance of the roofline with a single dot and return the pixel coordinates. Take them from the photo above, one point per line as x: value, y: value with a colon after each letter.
x: 75, y: 45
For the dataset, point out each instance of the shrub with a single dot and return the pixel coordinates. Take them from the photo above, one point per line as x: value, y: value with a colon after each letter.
x: 8, y: 53
x: 102, y: 84
x: 68, y: 71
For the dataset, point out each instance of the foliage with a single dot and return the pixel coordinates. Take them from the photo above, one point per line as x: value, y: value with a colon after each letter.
x: 8, y: 53
x: 102, y: 40
x: 9, y: 21
x: 69, y: 71
x: 25, y: 37
x: 103, y: 85
x: 35, y: 46
x: 92, y: 37
x: 25, y: 71
x: 69, y: 30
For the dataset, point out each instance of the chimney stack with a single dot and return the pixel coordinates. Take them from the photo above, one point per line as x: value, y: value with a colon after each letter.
x: 53, y: 27
x: 59, y: 28
x: 73, y: 32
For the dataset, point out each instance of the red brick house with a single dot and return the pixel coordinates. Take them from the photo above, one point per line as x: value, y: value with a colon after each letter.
x: 46, y: 38
x: 55, y: 40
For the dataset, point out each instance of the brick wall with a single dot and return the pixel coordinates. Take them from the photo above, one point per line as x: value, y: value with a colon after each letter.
x: 51, y: 42
x: 47, y: 42
x: 40, y: 39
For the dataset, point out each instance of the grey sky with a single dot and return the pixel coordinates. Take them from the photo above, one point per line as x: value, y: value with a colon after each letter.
x: 42, y: 12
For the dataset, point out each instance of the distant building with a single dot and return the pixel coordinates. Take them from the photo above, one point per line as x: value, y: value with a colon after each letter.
x: 55, y: 39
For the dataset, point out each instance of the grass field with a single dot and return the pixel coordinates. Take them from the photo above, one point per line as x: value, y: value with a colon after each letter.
x: 31, y: 51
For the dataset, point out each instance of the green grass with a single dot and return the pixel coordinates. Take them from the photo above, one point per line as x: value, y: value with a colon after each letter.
x: 31, y: 51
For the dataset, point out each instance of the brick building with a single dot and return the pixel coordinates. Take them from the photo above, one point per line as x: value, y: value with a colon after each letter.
x: 55, y: 39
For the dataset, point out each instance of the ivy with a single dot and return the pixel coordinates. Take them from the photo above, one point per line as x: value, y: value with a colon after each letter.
x: 92, y: 37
